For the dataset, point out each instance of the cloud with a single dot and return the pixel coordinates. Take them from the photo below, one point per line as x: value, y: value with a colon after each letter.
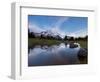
x: 56, y: 28
x: 34, y: 28
x: 61, y: 21
x: 79, y: 33
x: 57, y: 25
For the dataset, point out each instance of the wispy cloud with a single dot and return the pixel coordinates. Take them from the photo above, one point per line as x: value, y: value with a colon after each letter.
x: 57, y: 25
x: 79, y: 33
x: 56, y: 28
x: 61, y: 21
x: 34, y: 28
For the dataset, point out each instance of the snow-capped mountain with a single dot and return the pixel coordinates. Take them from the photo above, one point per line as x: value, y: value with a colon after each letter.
x: 47, y: 33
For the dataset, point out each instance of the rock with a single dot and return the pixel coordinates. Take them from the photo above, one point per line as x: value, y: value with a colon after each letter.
x: 45, y: 47
x: 73, y: 45
x: 82, y: 53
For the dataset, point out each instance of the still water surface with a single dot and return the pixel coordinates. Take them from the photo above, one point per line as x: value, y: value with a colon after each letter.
x: 60, y: 54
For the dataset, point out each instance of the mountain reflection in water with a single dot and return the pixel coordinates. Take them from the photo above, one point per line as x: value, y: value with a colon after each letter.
x: 60, y: 54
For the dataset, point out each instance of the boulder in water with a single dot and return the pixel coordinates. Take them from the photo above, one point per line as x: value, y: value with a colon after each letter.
x: 82, y: 53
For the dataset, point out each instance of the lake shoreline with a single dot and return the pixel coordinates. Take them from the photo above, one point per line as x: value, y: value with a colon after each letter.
x: 48, y: 42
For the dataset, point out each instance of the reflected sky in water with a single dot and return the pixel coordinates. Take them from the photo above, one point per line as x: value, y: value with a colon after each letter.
x: 53, y: 55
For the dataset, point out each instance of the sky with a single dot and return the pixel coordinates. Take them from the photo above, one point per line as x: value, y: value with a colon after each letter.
x: 64, y: 25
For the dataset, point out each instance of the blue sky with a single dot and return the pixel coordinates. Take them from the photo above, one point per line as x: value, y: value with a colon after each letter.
x: 64, y: 25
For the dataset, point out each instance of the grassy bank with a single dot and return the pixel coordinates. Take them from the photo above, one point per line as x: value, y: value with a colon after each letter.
x: 37, y: 41
x: 83, y: 43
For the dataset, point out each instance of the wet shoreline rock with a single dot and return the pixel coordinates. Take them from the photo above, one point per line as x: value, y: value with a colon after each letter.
x: 83, y: 52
